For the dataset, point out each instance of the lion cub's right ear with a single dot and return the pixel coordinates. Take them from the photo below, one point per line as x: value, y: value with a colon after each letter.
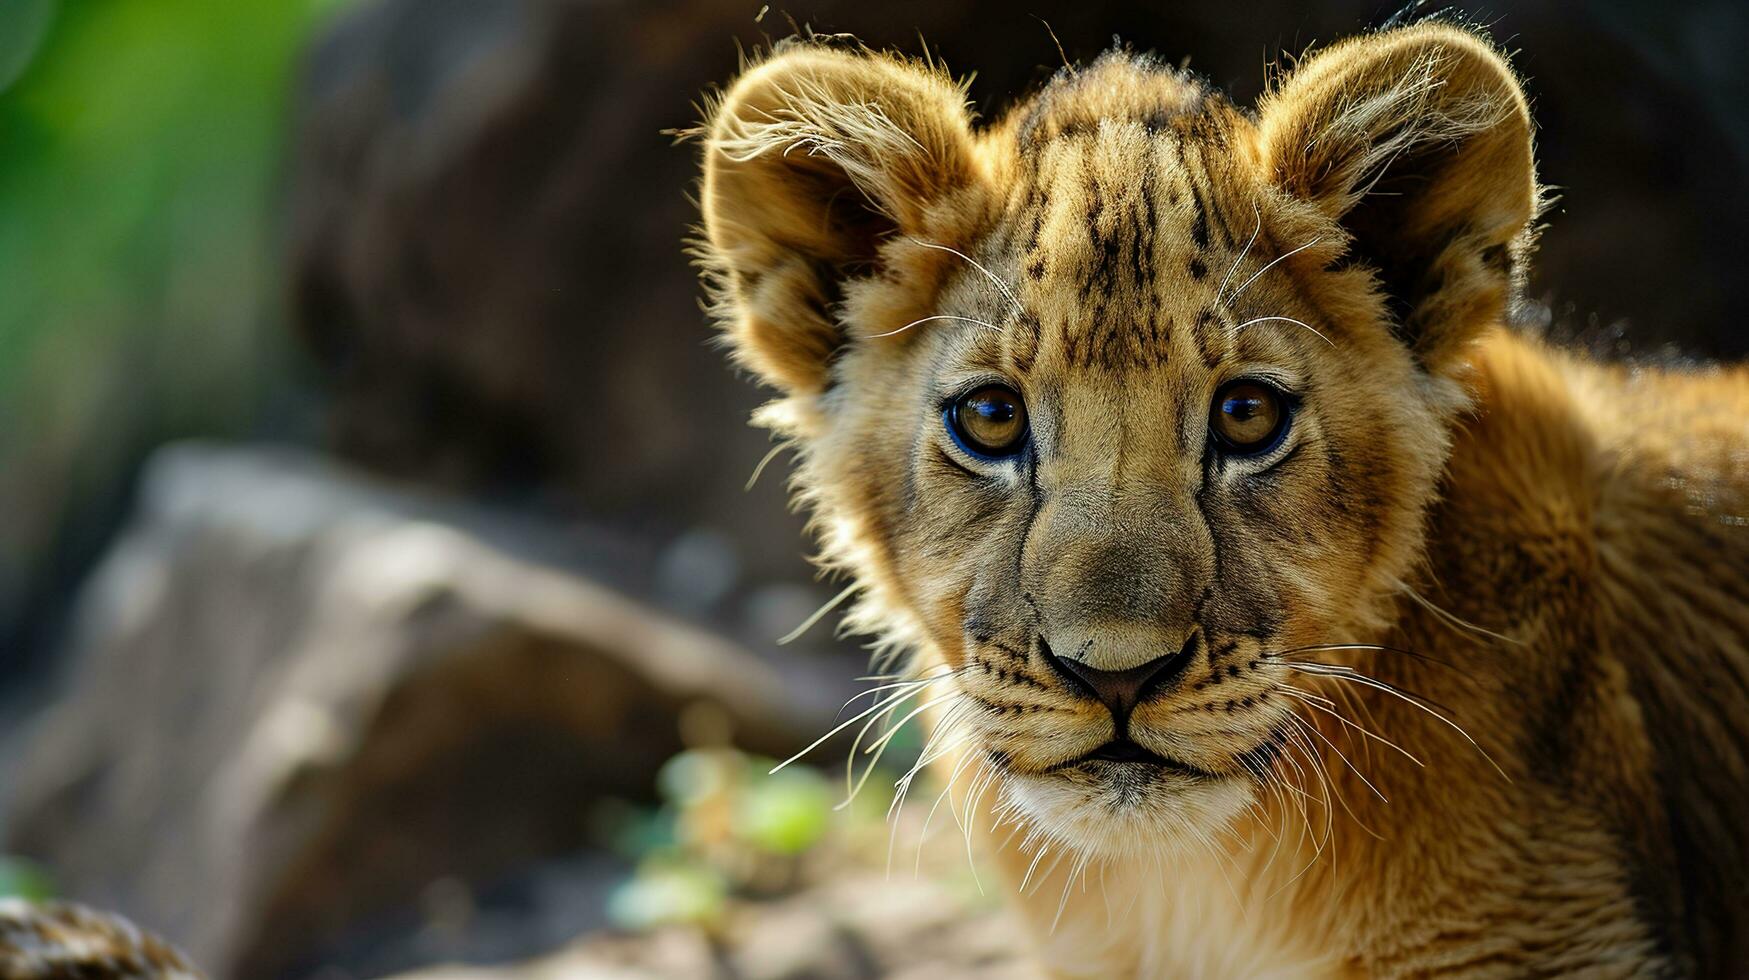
x: 813, y: 160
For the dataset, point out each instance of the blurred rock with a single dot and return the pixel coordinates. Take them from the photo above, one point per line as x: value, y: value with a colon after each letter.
x: 859, y: 927
x: 298, y: 699
x: 486, y: 246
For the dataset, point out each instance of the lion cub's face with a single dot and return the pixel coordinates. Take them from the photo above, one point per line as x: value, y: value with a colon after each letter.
x: 1122, y: 403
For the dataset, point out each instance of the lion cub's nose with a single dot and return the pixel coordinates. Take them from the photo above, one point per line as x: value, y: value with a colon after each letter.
x: 1122, y: 690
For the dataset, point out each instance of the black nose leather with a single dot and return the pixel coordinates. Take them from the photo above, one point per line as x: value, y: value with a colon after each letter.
x: 1122, y: 690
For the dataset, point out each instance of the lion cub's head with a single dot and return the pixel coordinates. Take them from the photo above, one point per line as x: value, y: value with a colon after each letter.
x: 1111, y: 405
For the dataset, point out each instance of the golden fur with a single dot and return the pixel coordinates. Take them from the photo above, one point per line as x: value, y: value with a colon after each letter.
x: 1468, y: 687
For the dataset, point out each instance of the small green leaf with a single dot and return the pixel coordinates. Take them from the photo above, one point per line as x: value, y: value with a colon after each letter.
x: 24, y: 879
x: 668, y: 894
x: 785, y: 813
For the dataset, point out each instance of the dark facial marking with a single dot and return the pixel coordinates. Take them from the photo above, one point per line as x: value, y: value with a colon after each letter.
x: 1199, y: 226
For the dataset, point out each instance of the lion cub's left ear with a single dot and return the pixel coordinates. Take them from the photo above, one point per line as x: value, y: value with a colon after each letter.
x: 1417, y: 142
x: 812, y: 161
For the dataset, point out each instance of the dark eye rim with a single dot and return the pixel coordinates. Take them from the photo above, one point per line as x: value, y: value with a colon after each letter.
x: 1289, y: 406
x: 950, y: 420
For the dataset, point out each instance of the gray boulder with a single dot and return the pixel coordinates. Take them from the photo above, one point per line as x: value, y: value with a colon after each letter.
x: 297, y: 698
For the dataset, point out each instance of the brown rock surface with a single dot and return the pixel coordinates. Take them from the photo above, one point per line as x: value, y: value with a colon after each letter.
x: 859, y: 927
x: 297, y: 698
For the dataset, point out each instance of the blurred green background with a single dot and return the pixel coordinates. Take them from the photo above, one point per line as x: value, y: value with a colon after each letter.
x: 141, y: 149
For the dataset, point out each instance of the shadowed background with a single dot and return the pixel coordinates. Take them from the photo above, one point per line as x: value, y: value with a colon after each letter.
x: 372, y: 508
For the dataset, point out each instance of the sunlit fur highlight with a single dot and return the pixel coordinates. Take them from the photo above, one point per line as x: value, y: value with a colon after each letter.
x: 1469, y: 692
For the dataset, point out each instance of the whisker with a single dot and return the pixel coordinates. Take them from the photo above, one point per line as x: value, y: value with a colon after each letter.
x: 885, y: 687
x: 1315, y: 760
x: 1279, y: 832
x: 1321, y: 769
x: 1349, y: 673
x: 1262, y: 772
x: 1355, y: 703
x: 1215, y: 853
x: 819, y: 613
x: 965, y: 824
x: 851, y: 785
x: 1328, y: 708
x: 938, y: 316
x: 1326, y: 647
x: 879, y: 748
x: 1297, y: 740
x: 980, y: 785
x: 1272, y: 264
x: 923, y: 834
x: 945, y: 794
x: 1351, y: 768
x: 1285, y: 319
x: 887, y: 704
x: 1106, y: 895
x: 881, y: 742
x: 1078, y: 868
x: 902, y: 785
x: 929, y: 755
x: 763, y: 462
x: 1044, y: 846
x: 1063, y: 851
x: 1452, y: 619
x: 1222, y: 288
x: 993, y: 277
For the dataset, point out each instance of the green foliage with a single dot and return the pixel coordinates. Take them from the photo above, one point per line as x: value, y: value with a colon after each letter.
x: 22, y: 26
x: 726, y: 826
x: 141, y: 146
x: 135, y: 173
x: 23, y: 879
x: 785, y: 813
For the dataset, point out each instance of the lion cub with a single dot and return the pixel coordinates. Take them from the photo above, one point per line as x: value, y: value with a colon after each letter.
x: 1282, y: 612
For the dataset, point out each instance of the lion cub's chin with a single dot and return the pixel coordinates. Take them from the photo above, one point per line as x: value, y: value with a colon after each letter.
x: 1116, y: 810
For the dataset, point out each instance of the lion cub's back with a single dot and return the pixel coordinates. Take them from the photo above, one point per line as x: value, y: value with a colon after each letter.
x: 1673, y: 563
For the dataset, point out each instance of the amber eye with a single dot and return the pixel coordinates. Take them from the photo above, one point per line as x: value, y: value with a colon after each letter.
x: 990, y: 422
x: 1249, y: 417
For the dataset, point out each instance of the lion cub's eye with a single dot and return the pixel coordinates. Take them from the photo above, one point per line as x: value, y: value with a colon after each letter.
x: 1249, y: 417
x: 990, y: 422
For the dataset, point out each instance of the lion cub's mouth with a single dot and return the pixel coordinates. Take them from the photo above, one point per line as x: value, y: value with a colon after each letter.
x: 1124, y: 752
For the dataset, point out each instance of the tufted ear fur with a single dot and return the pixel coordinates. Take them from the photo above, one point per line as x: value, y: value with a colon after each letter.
x: 1417, y: 142
x: 813, y: 159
